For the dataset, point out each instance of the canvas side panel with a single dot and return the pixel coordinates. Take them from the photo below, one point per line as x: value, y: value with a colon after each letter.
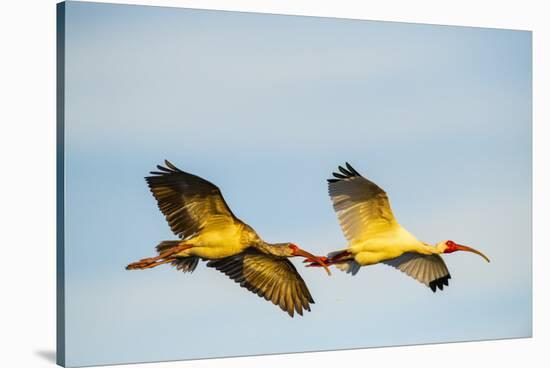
x: 60, y: 189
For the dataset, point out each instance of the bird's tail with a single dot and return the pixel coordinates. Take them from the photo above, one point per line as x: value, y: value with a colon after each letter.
x: 343, y: 260
x: 351, y: 267
x: 167, y: 244
x: 184, y: 264
x: 338, y: 255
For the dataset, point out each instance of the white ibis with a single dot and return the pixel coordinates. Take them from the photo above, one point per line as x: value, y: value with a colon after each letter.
x: 197, y: 212
x: 375, y: 236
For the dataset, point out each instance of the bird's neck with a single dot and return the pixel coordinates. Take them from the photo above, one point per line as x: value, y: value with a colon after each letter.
x: 409, y: 243
x: 425, y: 248
x: 268, y: 248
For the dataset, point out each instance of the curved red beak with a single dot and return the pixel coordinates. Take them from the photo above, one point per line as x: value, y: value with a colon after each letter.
x: 469, y: 249
x: 311, y: 258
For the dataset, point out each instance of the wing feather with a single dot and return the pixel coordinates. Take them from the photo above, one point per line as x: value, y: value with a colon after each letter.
x: 187, y: 201
x: 271, y: 277
x: 362, y: 206
x: 297, y: 302
x: 427, y: 269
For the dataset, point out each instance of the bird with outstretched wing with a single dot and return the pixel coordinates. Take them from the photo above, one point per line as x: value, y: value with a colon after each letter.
x: 374, y: 235
x: 208, y: 230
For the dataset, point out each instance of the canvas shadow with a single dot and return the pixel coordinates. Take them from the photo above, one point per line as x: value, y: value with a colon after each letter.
x: 48, y: 355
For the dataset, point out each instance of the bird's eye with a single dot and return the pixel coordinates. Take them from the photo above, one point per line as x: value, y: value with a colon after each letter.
x: 449, y: 243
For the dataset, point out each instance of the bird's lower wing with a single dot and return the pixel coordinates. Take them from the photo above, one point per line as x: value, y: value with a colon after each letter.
x: 273, y: 278
x: 428, y: 269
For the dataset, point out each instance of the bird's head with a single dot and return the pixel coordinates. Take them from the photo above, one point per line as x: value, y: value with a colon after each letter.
x: 292, y: 250
x: 449, y: 246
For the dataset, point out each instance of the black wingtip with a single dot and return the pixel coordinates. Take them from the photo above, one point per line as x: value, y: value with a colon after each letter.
x: 345, y: 173
x: 353, y: 171
x: 162, y: 168
x: 170, y: 165
x: 170, y: 168
x: 439, y: 283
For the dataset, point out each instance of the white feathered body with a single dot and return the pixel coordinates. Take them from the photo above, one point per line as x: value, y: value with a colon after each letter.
x: 374, y: 235
x: 383, y: 246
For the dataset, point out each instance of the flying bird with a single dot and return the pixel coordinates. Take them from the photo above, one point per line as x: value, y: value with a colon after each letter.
x: 374, y: 235
x: 198, y: 214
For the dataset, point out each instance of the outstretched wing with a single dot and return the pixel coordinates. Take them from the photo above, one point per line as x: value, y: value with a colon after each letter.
x: 273, y: 278
x: 362, y: 206
x: 187, y: 201
x: 428, y: 269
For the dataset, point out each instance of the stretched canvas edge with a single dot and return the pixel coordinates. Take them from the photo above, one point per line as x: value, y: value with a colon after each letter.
x: 60, y: 184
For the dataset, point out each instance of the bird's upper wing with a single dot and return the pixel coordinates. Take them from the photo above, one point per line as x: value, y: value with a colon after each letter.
x: 362, y: 206
x: 271, y: 277
x: 187, y: 201
x: 428, y: 269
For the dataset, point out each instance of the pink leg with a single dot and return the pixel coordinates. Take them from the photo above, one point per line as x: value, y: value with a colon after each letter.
x: 162, y: 258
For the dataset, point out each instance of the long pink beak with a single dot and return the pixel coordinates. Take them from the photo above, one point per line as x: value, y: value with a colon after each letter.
x: 312, y: 258
x: 469, y: 249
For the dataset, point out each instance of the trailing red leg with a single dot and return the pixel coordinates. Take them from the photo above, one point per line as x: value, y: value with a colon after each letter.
x: 333, y: 258
x: 165, y: 256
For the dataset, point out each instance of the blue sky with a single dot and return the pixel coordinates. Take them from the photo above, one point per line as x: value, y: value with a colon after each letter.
x: 266, y: 107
